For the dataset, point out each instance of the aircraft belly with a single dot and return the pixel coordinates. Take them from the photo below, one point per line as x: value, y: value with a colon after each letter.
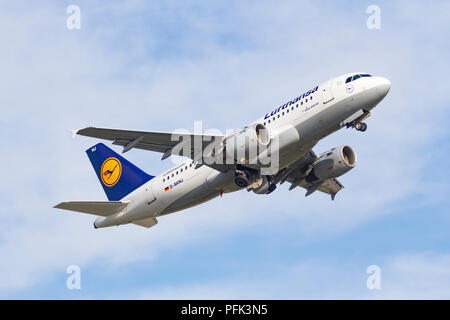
x: 192, y: 198
x: 222, y: 182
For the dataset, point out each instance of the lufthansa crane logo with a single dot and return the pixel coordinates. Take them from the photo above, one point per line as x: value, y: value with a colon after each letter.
x: 111, y: 171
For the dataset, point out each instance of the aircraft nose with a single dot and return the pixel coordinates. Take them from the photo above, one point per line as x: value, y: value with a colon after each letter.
x: 383, y: 87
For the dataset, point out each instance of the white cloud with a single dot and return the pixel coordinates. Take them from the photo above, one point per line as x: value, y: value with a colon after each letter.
x: 417, y: 276
x: 412, y: 276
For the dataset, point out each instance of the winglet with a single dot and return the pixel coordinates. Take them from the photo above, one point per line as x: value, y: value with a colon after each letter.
x: 73, y: 132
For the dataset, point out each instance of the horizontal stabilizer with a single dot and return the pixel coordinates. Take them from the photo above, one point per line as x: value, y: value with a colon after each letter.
x: 147, y: 223
x: 99, y: 208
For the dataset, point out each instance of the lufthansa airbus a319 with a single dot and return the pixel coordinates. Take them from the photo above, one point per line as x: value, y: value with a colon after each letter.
x: 274, y: 149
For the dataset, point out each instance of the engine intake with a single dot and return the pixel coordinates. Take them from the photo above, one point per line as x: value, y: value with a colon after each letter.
x: 333, y: 164
x: 246, y: 144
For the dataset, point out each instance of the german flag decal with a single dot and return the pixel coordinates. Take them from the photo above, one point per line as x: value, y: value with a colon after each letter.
x: 166, y: 189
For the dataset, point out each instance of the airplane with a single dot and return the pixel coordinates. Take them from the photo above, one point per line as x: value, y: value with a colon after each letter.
x: 294, y: 128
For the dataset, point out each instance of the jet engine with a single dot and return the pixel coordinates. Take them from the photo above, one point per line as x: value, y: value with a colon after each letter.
x: 264, y: 186
x: 245, y: 145
x: 333, y: 164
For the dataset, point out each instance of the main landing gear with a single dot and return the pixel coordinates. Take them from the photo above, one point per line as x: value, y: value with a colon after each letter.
x: 360, y: 126
x: 241, y: 179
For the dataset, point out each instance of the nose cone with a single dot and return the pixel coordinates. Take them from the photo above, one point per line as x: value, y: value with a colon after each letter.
x: 383, y: 87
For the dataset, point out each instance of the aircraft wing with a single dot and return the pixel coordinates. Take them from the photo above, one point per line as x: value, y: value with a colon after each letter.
x: 167, y: 143
x: 329, y: 186
x: 296, y: 173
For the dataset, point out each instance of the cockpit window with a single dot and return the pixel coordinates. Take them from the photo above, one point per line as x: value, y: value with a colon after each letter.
x: 357, y: 76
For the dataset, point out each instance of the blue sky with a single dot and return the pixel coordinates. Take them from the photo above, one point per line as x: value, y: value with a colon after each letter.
x: 162, y: 66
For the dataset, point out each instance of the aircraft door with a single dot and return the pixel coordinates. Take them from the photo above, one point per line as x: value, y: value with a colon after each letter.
x: 327, y: 93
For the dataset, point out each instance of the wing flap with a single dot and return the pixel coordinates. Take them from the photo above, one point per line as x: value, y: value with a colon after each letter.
x: 98, y: 208
x: 331, y: 186
x: 144, y: 145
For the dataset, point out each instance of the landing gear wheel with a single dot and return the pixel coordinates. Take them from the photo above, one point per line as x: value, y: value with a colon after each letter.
x: 364, y: 127
x: 361, y: 126
x: 241, y: 180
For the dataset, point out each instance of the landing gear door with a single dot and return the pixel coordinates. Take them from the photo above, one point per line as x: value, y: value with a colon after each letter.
x: 327, y: 93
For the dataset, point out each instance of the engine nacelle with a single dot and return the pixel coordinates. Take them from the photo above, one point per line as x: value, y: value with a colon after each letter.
x: 247, y: 143
x: 333, y: 164
x: 263, y: 186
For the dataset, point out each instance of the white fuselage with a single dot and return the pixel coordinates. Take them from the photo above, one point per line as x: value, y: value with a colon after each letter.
x: 313, y: 117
